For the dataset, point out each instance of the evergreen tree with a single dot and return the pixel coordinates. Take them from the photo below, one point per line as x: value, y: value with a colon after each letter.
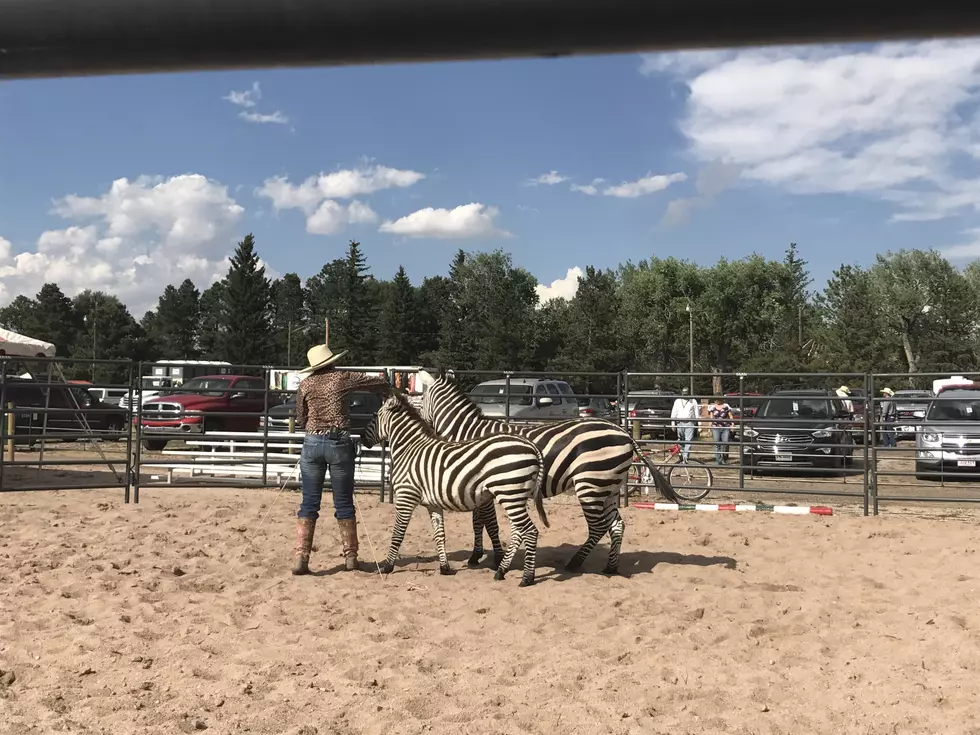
x: 245, y: 308
x: 397, y: 344
x: 173, y: 327
x: 210, y: 333
x: 289, y: 318
x: 108, y: 332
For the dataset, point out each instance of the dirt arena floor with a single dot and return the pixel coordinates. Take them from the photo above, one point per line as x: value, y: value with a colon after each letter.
x: 179, y: 615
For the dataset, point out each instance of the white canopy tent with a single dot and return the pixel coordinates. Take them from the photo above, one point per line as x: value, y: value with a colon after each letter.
x: 17, y: 345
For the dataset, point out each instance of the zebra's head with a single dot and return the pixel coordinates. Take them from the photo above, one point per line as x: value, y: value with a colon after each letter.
x: 397, y: 413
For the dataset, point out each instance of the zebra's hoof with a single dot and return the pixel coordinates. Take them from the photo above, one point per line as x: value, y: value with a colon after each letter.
x: 498, y: 560
x: 527, y: 581
x: 611, y: 571
x: 573, y: 565
x: 447, y: 571
x: 499, y: 574
x: 474, y: 560
x: 386, y: 567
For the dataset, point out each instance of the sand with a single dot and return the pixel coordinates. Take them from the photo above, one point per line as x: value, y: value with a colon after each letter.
x: 163, y: 618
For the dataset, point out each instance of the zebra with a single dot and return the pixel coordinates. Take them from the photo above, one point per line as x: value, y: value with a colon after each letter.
x: 590, y: 455
x: 458, y: 476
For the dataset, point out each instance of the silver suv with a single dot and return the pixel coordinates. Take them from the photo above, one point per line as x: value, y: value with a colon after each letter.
x: 530, y: 398
x: 949, y: 438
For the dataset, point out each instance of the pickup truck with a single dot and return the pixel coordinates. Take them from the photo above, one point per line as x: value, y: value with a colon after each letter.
x: 207, y: 403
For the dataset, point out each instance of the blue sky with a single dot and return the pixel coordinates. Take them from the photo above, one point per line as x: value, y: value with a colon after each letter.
x: 785, y: 154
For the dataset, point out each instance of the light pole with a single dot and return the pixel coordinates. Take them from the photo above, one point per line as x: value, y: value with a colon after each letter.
x: 289, y: 341
x: 690, y: 319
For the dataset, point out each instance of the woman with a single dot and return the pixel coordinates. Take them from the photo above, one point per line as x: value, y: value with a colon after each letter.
x: 322, y: 409
x: 721, y: 428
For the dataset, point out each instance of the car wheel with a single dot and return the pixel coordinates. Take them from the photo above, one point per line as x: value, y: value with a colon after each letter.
x: 155, y: 445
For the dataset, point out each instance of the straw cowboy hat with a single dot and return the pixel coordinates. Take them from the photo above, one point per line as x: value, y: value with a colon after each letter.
x: 888, y: 391
x: 319, y: 356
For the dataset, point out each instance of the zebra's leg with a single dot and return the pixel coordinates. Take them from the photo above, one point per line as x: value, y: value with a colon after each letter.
x: 477, y: 554
x: 523, y: 530
x: 617, y: 528
x: 493, y: 531
x: 593, y: 501
x: 404, y: 507
x: 515, y: 541
x: 485, y: 516
x: 439, y: 534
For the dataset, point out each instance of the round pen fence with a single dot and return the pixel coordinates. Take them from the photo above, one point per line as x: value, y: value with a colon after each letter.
x: 746, y: 438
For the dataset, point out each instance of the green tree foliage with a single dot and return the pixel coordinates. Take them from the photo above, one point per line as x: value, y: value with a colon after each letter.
x: 397, y: 343
x: 246, y: 308
x: 908, y: 311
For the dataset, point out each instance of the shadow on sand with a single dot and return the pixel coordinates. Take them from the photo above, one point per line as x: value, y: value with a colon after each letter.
x: 551, y: 562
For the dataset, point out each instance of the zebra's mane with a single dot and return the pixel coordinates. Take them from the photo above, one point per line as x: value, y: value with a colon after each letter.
x: 458, y: 395
x: 401, y: 404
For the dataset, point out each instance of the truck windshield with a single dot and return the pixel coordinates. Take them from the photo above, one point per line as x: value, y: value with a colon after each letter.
x: 207, y: 386
x: 963, y: 408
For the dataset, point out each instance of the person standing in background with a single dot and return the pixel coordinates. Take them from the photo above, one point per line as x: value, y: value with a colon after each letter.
x: 684, y: 419
x: 889, y: 415
x: 721, y: 428
x: 322, y: 409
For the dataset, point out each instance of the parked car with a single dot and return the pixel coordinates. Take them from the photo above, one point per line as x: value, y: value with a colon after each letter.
x: 652, y: 408
x: 198, y: 407
x: 749, y: 401
x: 949, y: 438
x: 110, y: 396
x: 911, y: 407
x: 530, y: 399
x: 361, y: 407
x: 799, y: 428
x: 596, y: 408
x: 73, y: 412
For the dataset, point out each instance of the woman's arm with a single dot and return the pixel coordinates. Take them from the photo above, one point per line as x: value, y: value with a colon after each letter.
x: 300, y: 405
x: 363, y: 381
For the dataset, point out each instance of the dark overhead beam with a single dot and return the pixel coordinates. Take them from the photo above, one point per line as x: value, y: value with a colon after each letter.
x: 56, y: 38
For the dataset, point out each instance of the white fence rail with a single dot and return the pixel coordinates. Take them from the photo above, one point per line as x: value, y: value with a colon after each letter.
x: 230, y: 454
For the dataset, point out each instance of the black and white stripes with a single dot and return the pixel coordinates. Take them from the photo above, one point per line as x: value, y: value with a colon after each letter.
x: 590, y: 456
x: 459, y: 476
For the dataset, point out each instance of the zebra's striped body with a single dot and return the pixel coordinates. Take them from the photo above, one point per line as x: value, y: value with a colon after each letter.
x: 590, y: 456
x: 458, y: 476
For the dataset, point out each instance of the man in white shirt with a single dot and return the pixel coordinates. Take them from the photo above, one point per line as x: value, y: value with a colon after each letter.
x: 684, y: 416
x: 845, y: 393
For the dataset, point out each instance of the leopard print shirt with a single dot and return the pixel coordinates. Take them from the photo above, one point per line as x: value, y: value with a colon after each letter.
x: 320, y: 398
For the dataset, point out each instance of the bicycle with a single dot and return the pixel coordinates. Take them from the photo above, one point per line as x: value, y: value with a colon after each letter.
x: 693, y: 478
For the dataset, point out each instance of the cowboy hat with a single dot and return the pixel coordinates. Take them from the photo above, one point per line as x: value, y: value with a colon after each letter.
x: 844, y: 389
x: 319, y: 356
x: 888, y: 391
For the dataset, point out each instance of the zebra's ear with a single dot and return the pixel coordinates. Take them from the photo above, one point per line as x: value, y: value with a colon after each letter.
x: 442, y: 372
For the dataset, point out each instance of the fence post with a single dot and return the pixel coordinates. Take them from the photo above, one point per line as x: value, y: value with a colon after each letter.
x: 869, y: 407
x: 137, y: 435
x: 11, y: 427
x: 129, y: 440
x: 265, y: 428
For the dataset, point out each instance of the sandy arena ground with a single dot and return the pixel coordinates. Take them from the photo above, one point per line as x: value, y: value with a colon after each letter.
x: 163, y: 618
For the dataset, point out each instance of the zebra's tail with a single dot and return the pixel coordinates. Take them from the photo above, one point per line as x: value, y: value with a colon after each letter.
x: 662, y: 483
x: 539, y: 486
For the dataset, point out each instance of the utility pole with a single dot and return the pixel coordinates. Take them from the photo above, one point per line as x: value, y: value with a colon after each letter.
x: 690, y: 315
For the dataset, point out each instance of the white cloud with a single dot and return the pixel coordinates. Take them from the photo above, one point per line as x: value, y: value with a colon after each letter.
x: 969, y: 250
x: 248, y: 99
x: 131, y: 241
x: 466, y: 221
x: 549, y: 179
x: 649, y: 184
x: 276, y: 117
x: 560, y: 288
x: 590, y: 189
x: 893, y: 121
x: 316, y: 196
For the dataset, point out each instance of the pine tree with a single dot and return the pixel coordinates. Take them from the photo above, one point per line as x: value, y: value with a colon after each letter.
x: 288, y: 318
x: 173, y: 328
x: 396, y: 342
x: 245, y: 312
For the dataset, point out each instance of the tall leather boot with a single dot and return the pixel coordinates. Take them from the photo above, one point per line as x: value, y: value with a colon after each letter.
x: 304, y: 545
x: 348, y: 536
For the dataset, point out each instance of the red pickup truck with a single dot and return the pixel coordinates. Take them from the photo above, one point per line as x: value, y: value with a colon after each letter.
x: 192, y: 409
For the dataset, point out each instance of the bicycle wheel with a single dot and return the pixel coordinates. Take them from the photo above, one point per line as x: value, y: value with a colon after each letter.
x: 691, y: 482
